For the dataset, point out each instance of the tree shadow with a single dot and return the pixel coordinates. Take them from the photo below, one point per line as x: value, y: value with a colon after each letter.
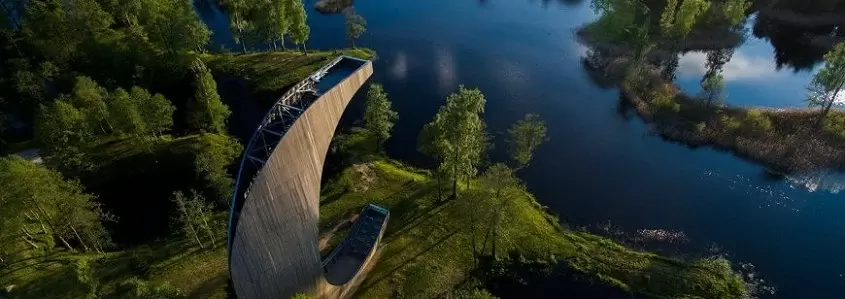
x: 407, y: 261
x: 209, y: 286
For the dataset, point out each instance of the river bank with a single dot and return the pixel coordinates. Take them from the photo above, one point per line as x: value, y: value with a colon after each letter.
x: 426, y: 247
x: 784, y: 140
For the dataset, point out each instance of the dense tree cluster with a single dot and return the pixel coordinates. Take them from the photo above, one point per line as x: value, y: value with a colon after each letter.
x: 99, y: 81
x: 267, y: 21
x: 39, y: 206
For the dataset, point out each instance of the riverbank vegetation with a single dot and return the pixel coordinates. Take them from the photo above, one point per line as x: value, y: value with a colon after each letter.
x: 643, y: 64
x: 491, y: 233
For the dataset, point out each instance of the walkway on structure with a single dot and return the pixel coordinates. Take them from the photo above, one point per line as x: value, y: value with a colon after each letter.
x: 273, y: 222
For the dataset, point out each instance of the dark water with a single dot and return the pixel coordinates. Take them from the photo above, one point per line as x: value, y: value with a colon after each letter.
x: 601, y: 163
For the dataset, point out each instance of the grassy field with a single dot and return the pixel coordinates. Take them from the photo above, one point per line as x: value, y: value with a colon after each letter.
x: 272, y: 71
x: 426, y: 249
x: 196, y: 272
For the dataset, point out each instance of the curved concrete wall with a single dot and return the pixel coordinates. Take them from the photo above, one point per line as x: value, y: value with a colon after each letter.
x: 275, y: 252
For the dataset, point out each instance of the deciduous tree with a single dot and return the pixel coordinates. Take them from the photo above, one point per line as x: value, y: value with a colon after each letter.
x: 525, y: 136
x: 458, y: 135
x: 214, y: 154
x: 299, y: 30
x: 825, y: 90
x: 194, y: 217
x: 379, y: 116
x: 355, y: 25
x: 206, y: 112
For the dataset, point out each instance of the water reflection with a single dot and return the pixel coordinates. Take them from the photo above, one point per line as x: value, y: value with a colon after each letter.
x: 444, y: 64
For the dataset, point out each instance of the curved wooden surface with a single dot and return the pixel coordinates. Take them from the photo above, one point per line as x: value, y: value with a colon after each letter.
x: 275, y: 253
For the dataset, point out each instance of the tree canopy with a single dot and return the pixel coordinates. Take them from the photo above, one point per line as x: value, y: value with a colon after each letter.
x: 525, y: 136
x: 457, y: 136
x: 206, y: 112
x: 825, y: 90
x: 379, y: 116
x: 355, y: 25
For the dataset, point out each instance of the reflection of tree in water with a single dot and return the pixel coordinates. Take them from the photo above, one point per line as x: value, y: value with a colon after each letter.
x: 798, y: 47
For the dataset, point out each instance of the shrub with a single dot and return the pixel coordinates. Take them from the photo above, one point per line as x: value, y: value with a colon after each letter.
x: 699, y: 127
x: 731, y: 123
x: 139, y: 261
x: 136, y: 288
x: 835, y: 124
x: 757, y: 122
x: 663, y: 99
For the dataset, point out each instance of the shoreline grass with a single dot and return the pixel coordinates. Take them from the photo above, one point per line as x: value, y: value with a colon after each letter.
x: 426, y: 248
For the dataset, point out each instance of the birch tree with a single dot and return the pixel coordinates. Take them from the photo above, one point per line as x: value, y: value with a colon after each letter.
x: 825, y: 90
x: 299, y: 30
x: 457, y: 135
x: 194, y: 218
x: 355, y: 25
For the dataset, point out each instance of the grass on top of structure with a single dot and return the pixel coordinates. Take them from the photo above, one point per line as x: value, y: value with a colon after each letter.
x: 273, y: 71
x: 426, y: 249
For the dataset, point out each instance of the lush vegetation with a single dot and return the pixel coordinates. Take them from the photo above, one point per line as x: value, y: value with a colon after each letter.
x: 130, y: 201
x: 431, y: 246
x: 644, y: 64
x: 487, y: 235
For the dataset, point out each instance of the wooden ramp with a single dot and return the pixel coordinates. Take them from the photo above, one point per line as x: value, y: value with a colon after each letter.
x: 273, y: 250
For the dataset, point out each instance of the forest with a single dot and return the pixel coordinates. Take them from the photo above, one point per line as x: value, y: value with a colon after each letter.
x: 128, y: 192
x: 133, y: 157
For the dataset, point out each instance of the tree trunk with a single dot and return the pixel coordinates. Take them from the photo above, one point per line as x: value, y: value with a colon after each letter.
x: 66, y: 243
x: 187, y: 221
x: 283, y: 43
x: 439, y: 186
x: 829, y: 105
x: 28, y: 238
x: 305, y: 49
x: 275, y: 47
x: 207, y: 228
x: 81, y: 242
x: 353, y: 43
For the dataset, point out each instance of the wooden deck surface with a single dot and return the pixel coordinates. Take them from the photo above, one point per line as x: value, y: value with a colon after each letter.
x: 275, y: 253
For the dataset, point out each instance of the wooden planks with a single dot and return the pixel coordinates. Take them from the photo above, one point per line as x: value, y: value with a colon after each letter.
x: 275, y: 253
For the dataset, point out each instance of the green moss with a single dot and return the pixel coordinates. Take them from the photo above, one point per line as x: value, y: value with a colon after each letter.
x: 423, y: 233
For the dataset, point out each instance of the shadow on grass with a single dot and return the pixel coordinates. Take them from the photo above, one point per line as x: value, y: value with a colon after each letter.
x: 391, y: 271
x: 210, y: 286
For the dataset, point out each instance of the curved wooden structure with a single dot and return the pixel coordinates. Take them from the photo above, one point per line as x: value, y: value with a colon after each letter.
x: 273, y: 250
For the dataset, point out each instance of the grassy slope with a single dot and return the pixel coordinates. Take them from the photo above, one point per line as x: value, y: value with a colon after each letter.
x: 200, y: 273
x: 272, y: 71
x: 422, y: 234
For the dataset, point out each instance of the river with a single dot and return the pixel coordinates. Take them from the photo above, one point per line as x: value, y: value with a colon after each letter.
x: 601, y: 164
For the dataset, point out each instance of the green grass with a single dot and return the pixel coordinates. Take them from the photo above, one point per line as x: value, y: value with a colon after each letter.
x: 198, y: 273
x: 274, y: 71
x: 423, y: 233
